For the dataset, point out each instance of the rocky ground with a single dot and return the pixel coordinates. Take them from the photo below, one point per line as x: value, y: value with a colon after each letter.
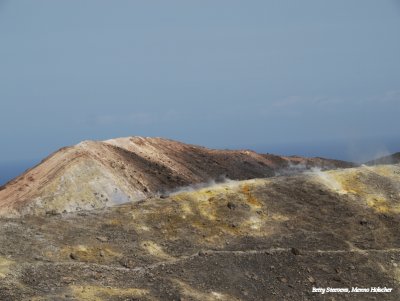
x: 261, y: 239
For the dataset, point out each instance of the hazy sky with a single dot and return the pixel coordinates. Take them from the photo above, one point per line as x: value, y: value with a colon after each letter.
x: 310, y: 77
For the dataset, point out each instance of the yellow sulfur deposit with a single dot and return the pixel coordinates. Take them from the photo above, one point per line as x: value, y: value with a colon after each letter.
x: 98, y: 293
x: 5, y: 267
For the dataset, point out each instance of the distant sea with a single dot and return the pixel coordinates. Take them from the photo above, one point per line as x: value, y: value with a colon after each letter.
x: 10, y: 170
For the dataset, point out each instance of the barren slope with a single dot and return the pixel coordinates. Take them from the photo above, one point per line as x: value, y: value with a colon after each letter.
x: 96, y: 174
x: 261, y: 239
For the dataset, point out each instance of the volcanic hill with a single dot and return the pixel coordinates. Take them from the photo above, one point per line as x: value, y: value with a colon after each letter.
x: 96, y: 174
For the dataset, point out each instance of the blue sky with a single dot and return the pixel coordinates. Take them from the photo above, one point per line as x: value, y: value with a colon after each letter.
x: 309, y: 77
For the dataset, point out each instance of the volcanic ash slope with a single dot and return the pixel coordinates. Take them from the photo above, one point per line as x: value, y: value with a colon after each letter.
x: 96, y: 174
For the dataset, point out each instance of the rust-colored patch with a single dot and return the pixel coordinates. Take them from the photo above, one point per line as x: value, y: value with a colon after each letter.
x: 250, y: 199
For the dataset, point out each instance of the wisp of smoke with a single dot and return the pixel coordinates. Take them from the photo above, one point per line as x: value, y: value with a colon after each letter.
x: 325, y: 178
x: 291, y: 169
x: 212, y: 182
x: 382, y: 157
